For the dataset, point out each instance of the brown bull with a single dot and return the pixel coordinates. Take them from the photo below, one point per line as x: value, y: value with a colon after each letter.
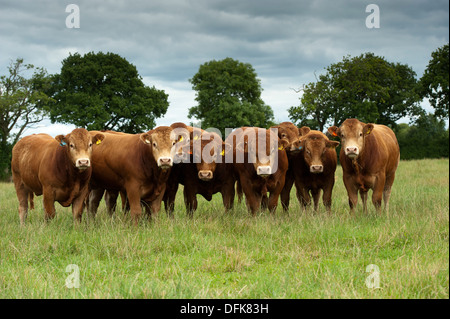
x: 58, y: 168
x: 260, y: 164
x: 204, y: 172
x: 369, y: 157
x: 136, y: 164
x: 312, y: 170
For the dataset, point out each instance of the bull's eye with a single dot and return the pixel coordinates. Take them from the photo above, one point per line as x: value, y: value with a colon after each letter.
x: 360, y: 134
x: 90, y: 144
x: 72, y: 146
x: 308, y: 152
x: 283, y: 135
x: 342, y: 135
x: 173, y: 143
x: 154, y: 144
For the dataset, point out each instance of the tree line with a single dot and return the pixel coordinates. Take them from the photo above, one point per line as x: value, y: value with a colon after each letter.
x: 105, y: 91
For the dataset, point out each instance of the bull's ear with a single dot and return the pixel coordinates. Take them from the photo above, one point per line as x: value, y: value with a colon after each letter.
x: 282, y: 144
x: 98, y: 138
x: 332, y: 144
x: 334, y: 131
x: 146, y: 138
x: 368, y: 129
x: 61, y: 140
x: 226, y: 147
x: 303, y: 130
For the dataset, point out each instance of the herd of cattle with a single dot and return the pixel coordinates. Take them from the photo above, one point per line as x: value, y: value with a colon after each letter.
x: 82, y: 167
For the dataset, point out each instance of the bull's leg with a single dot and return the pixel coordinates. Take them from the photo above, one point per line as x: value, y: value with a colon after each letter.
x: 316, y: 197
x: 49, y: 203
x: 78, y: 205
x: 169, y: 199
x: 228, y: 193
x: 22, y: 196
x: 264, y: 202
x: 111, y: 201
x: 239, y: 191
x: 190, y: 200
x: 303, y: 196
x: 273, y: 201
x: 327, y: 195
x: 387, y: 191
x: 377, y: 195
x: 352, y: 193
x: 94, y: 197
x: 134, y: 199
x: 286, y: 192
x: 363, y: 195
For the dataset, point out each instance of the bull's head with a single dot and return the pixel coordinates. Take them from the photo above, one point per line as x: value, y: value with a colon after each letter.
x: 352, y: 134
x: 315, y: 146
x: 79, y: 146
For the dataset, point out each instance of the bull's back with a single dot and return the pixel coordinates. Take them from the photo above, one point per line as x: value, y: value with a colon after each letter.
x: 28, y: 156
x: 115, y: 157
x: 388, y: 147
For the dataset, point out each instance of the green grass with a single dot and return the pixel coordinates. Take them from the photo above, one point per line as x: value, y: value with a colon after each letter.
x: 213, y: 255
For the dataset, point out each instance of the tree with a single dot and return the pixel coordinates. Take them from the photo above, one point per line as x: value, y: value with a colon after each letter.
x: 366, y: 87
x: 434, y: 82
x: 20, y: 99
x: 426, y: 138
x: 229, y: 95
x: 104, y: 91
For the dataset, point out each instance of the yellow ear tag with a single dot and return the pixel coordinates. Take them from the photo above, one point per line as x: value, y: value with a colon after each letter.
x: 368, y: 132
x: 222, y: 153
x: 281, y: 148
x: 195, y: 137
x: 181, y: 138
x: 98, y: 142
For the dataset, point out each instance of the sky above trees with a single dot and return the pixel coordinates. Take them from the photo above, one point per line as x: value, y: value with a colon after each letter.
x: 288, y: 43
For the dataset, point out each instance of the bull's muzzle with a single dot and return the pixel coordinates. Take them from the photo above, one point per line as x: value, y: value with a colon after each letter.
x: 83, y: 163
x: 165, y: 162
x: 205, y: 175
x: 316, y: 169
x: 352, y: 151
x: 264, y: 171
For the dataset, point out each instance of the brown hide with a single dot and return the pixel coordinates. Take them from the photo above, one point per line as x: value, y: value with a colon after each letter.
x: 312, y: 170
x: 254, y: 186
x: 59, y: 168
x: 375, y: 155
x: 202, y: 177
x: 137, y: 164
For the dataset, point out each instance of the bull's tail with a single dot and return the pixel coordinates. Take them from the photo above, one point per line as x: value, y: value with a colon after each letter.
x: 31, y: 199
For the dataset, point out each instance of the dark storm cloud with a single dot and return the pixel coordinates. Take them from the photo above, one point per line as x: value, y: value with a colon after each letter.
x: 286, y: 41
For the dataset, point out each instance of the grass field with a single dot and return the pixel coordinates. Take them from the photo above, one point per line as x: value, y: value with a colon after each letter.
x: 300, y: 255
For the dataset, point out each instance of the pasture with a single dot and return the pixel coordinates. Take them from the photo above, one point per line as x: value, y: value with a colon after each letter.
x: 213, y: 255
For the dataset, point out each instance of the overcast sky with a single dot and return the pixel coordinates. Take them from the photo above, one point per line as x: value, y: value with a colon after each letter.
x: 286, y: 41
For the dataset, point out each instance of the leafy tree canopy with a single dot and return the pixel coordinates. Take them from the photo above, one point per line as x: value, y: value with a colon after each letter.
x: 104, y: 91
x: 366, y: 87
x: 229, y: 95
x: 434, y: 82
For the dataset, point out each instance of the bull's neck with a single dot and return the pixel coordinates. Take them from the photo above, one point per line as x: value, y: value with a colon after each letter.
x: 149, y: 165
x: 65, y: 167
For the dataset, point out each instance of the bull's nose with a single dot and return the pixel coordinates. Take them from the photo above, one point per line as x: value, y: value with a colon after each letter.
x: 83, y: 163
x: 205, y: 175
x: 352, y: 150
x: 264, y: 171
x: 316, y: 168
x: 165, y: 162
